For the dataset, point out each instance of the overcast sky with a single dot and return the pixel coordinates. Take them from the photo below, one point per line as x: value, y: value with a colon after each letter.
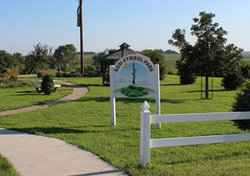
x: 144, y: 24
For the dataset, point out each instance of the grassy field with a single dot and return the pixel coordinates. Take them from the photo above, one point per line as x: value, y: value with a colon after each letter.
x: 86, y: 123
x: 6, y: 169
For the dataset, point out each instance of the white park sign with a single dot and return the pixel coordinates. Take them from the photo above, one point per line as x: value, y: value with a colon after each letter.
x: 134, y: 76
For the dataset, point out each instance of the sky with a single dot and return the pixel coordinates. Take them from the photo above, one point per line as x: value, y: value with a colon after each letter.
x: 143, y: 24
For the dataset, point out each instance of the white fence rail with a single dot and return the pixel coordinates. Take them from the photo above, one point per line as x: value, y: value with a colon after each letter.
x: 147, y: 119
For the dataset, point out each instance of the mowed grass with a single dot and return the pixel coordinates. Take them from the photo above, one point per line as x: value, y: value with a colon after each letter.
x: 6, y: 169
x: 87, y: 124
x: 19, y: 97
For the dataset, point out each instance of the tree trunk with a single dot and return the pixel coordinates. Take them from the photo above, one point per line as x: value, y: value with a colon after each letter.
x: 206, y: 86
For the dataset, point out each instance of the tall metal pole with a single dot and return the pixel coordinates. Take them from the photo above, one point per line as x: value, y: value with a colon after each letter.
x: 80, y: 19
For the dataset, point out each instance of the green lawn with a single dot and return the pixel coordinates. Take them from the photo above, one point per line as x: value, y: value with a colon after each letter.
x: 6, y: 169
x: 86, y: 123
x: 19, y: 97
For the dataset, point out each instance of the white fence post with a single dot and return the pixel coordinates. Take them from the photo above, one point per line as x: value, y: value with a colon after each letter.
x: 145, y: 134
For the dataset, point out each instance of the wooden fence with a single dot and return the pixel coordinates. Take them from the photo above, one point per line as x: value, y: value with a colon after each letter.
x: 147, y: 119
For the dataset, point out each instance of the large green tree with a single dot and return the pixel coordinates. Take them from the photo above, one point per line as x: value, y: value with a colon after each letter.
x: 157, y: 58
x: 65, y: 55
x: 208, y: 56
x: 8, y: 61
x: 38, y: 58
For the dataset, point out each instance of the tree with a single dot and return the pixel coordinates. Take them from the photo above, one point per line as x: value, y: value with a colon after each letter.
x: 242, y: 103
x: 156, y: 58
x: 133, y: 74
x: 96, y: 58
x: 209, y: 55
x: 21, y: 59
x: 8, y: 61
x: 38, y: 58
x: 65, y: 55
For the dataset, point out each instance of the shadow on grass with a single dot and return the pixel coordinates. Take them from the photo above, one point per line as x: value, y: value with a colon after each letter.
x: 195, y: 91
x: 242, y: 124
x: 131, y: 100
x: 171, y: 85
x: 27, y: 93
x: 81, y: 130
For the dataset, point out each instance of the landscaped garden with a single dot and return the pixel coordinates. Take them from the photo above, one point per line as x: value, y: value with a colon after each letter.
x: 87, y: 123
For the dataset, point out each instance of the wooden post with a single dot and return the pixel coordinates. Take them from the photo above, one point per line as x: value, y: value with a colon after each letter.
x: 80, y: 24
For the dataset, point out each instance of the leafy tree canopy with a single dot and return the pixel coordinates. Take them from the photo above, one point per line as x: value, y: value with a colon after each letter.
x: 209, y: 56
x: 157, y: 58
x: 8, y: 61
x: 65, y: 55
x: 38, y: 58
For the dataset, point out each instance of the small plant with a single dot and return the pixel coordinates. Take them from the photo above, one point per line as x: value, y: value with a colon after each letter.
x: 91, y: 70
x: 47, y: 84
x: 59, y: 74
x: 66, y: 74
x: 9, y: 78
x: 42, y: 73
x: 242, y: 103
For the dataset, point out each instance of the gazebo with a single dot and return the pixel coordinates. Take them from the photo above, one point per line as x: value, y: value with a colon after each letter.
x: 110, y: 59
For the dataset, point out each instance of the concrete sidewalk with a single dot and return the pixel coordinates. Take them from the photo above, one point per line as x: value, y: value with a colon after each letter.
x: 33, y: 155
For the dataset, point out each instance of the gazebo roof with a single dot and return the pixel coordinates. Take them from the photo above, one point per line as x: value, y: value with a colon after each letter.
x: 123, y: 51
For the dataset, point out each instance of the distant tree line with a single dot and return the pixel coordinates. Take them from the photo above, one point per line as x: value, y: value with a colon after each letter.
x: 166, y: 52
x: 41, y: 58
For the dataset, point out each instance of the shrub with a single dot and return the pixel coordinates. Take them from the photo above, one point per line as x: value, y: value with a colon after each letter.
x: 186, y: 75
x: 232, y: 81
x: 245, y: 69
x: 66, y: 74
x: 75, y: 74
x: 188, y: 78
x: 59, y: 74
x: 91, y: 70
x: 13, y: 74
x: 39, y: 74
x: 42, y: 73
x: 47, y: 84
x: 242, y: 103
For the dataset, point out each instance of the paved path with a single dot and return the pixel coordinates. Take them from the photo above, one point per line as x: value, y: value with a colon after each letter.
x: 33, y: 155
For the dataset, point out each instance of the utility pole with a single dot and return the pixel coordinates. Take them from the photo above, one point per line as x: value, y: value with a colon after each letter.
x: 80, y: 24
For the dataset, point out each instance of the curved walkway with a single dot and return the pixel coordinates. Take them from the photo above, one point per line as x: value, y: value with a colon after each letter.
x: 33, y: 155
